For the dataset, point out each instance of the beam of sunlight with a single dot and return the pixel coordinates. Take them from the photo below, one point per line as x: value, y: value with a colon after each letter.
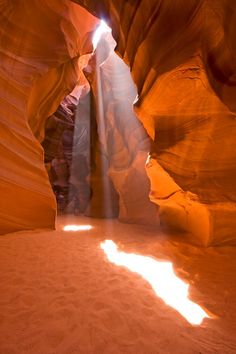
x: 161, y: 276
x: 104, y: 157
x: 77, y: 227
x: 102, y: 28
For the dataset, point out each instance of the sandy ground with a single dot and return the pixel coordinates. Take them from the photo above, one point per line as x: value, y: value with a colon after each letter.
x: 61, y: 295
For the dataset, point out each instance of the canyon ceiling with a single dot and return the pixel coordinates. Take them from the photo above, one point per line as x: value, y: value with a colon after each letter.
x: 182, y: 59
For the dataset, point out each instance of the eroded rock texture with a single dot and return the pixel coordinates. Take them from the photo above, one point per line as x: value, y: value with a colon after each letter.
x: 182, y: 59
x: 40, y: 42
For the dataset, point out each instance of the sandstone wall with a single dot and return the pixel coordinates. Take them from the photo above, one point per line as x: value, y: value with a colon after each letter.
x: 39, y: 44
x: 182, y: 59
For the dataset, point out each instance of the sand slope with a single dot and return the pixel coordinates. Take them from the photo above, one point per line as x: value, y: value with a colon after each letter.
x: 60, y: 294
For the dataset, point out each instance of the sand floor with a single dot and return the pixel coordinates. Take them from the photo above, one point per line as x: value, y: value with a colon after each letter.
x: 61, y: 295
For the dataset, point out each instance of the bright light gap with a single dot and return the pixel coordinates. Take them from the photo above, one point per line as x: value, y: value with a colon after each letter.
x: 171, y: 289
x: 102, y: 28
x: 77, y: 227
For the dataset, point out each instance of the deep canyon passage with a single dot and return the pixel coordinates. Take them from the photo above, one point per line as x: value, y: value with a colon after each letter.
x: 117, y: 177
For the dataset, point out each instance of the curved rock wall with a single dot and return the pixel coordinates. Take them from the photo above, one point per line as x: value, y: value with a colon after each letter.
x: 39, y: 44
x: 182, y: 59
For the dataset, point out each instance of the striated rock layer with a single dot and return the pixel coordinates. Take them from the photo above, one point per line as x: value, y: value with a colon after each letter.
x: 40, y: 42
x: 182, y: 59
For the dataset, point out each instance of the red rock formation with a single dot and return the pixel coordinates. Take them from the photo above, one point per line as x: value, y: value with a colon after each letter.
x: 40, y: 44
x: 182, y: 59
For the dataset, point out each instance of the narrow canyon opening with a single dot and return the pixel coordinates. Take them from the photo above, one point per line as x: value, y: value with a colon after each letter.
x: 95, y: 148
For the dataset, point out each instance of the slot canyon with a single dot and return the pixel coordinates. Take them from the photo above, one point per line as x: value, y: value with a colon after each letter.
x: 117, y: 177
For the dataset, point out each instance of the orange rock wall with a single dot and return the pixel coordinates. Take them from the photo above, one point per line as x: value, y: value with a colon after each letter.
x: 182, y: 59
x: 40, y: 42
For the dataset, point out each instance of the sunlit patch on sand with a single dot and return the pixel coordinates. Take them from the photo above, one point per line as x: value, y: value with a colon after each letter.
x: 77, y: 227
x: 172, y: 290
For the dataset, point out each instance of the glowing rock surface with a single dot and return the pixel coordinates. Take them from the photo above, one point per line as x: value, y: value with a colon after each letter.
x: 40, y: 45
x: 185, y: 75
